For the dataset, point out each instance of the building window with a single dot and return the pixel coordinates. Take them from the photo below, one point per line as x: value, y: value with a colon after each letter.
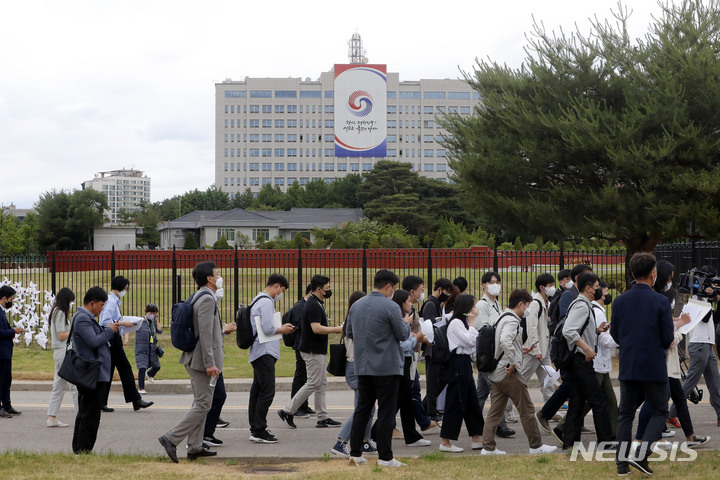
x: 279, y: 108
x: 428, y: 124
x: 329, y: 167
x: 429, y: 167
x: 228, y: 232
x: 267, y: 123
x: 292, y: 152
x: 235, y: 93
x: 367, y: 167
x: 391, y: 94
x: 391, y: 153
x: 254, y: 181
x: 255, y: 123
x: 464, y: 110
x: 310, y: 94
x: 428, y: 153
x: 391, y: 109
x: 392, y: 138
x: 279, y: 181
x: 292, y: 167
x: 279, y: 167
x: 409, y: 95
x: 279, y: 123
x: 279, y: 152
x: 329, y: 108
x: 440, y: 167
x: 342, y: 167
x: 440, y: 109
x: 458, y: 95
x: 292, y: 109
x: 260, y: 93
x: 440, y: 152
x: 329, y: 152
x: 428, y: 110
x: 254, y: 167
x: 453, y: 109
x: 292, y: 137
x: 428, y: 138
x: 267, y: 137
x: 254, y: 108
x: 254, y: 137
x: 266, y: 180
x: 267, y: 152
x: 292, y: 123
x: 329, y: 123
x: 267, y: 109
x: 329, y: 137
x: 285, y: 93
x: 303, y: 180
x: 354, y: 167
x: 279, y: 137
x: 226, y: 167
x: 267, y: 167
x: 260, y: 232
x: 434, y: 95
x: 391, y: 124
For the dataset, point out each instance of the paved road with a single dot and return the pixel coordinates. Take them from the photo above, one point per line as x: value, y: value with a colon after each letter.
x: 126, y: 431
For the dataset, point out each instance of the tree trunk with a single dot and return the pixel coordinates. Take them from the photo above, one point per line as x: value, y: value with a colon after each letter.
x: 640, y: 242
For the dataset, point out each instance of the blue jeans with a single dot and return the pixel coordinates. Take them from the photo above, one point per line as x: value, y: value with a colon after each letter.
x: 352, y: 380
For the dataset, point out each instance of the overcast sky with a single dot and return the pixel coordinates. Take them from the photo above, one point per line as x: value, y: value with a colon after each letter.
x: 89, y: 86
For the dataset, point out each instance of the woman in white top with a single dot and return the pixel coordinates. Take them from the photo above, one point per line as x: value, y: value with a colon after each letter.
x: 59, y: 332
x: 461, y: 402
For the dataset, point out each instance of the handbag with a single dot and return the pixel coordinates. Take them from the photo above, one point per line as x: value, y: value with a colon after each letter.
x: 338, y: 359
x: 78, y: 371
x: 160, y: 351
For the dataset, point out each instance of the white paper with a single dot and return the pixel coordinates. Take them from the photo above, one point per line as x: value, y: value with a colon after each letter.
x: 262, y: 338
x: 697, y: 310
x: 427, y: 329
x: 137, y: 322
x: 552, y: 376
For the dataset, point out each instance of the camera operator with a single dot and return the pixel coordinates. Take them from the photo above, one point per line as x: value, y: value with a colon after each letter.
x: 703, y: 361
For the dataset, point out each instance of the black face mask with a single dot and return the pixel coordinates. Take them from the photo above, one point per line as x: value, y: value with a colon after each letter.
x: 608, y: 299
x: 8, y: 305
x: 327, y: 293
x: 443, y: 296
x: 598, y: 294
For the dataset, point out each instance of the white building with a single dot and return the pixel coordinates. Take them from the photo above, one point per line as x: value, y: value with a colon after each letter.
x: 125, y: 190
x: 281, y: 130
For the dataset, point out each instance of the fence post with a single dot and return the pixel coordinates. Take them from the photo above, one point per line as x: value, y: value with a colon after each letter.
x: 175, y: 295
x: 693, y: 251
x: 236, y: 273
x: 562, y: 255
x: 429, y: 281
x: 53, y: 273
x: 112, y: 262
x: 495, y: 258
x: 301, y: 288
x: 364, y: 271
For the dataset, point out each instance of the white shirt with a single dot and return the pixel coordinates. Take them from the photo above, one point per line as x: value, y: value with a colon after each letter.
x: 603, y: 359
x: 461, y: 339
x: 702, y: 332
x: 488, y: 311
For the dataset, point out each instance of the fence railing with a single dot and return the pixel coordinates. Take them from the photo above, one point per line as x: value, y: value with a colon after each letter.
x: 163, y: 277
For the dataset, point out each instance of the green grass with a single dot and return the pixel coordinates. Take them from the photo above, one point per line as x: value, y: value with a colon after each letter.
x: 24, y: 466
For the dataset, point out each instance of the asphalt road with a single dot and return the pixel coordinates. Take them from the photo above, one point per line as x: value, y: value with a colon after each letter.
x: 126, y: 431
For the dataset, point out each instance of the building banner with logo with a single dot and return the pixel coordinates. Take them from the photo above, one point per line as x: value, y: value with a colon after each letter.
x: 360, y: 110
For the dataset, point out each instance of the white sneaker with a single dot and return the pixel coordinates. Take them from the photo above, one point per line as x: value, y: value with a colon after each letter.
x: 391, y: 463
x: 452, y: 448
x: 149, y: 378
x: 662, y: 445
x: 357, y: 461
x: 543, y: 449
x: 510, y: 417
x: 420, y: 443
x: 492, y: 452
x: 142, y: 391
x: 476, y: 446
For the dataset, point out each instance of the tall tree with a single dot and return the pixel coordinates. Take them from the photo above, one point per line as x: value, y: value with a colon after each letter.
x: 66, y: 220
x: 598, y: 135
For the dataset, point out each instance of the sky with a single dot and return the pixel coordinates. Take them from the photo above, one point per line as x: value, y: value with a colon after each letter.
x: 90, y: 86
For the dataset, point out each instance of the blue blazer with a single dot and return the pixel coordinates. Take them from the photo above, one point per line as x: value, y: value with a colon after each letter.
x: 642, y: 326
x: 6, y: 337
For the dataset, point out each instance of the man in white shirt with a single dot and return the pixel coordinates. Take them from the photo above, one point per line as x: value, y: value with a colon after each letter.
x: 535, y: 349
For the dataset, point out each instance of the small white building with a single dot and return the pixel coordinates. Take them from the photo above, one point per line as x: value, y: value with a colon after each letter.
x: 122, y: 238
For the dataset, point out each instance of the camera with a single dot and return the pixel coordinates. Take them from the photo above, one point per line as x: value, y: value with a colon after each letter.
x: 697, y: 282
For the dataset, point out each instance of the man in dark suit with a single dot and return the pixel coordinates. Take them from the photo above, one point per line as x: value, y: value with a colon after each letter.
x: 642, y: 326
x: 7, y: 334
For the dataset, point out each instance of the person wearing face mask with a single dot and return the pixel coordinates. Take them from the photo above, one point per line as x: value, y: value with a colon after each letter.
x: 489, y: 310
x: 111, y: 314
x: 146, y: 347
x: 313, y: 349
x: 581, y: 334
x: 507, y: 383
x: 535, y: 349
x: 7, y: 334
x: 263, y: 357
x: 642, y: 326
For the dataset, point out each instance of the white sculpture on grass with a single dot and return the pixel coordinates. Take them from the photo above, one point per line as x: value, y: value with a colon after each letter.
x: 29, y: 312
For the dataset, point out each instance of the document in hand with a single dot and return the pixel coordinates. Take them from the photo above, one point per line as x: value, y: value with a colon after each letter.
x: 137, y: 321
x: 697, y: 310
x: 277, y: 322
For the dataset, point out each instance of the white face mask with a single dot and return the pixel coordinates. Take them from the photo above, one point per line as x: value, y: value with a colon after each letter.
x: 122, y: 294
x: 550, y: 291
x: 278, y: 296
x: 422, y: 297
x: 219, y: 283
x: 494, y: 289
x: 220, y: 293
x: 668, y: 286
x: 569, y: 285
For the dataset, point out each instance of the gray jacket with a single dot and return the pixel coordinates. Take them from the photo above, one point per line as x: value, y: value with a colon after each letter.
x: 206, y: 322
x: 90, y: 341
x: 578, y: 313
x: 376, y: 326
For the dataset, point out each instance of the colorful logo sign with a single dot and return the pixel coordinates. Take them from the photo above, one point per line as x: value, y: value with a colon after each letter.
x: 360, y: 103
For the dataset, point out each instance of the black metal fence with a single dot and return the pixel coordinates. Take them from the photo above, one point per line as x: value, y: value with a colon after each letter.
x: 164, y: 277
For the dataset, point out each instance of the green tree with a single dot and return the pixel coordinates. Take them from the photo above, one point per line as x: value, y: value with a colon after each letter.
x: 148, y: 218
x: 125, y: 217
x: 269, y: 198
x: 29, y: 233
x: 221, y: 244
x: 190, y: 242
x: 597, y: 135
x: 243, y: 200
x: 67, y: 220
x: 517, y: 245
x: 11, y: 237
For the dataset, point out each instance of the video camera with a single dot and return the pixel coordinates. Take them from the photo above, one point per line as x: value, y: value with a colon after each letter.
x: 697, y: 282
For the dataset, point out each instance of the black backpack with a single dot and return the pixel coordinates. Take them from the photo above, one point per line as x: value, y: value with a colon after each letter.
x: 182, y: 330
x: 441, y: 353
x: 523, y: 323
x: 485, y: 346
x: 560, y: 353
x: 245, y: 335
x: 289, y: 339
x: 554, y: 314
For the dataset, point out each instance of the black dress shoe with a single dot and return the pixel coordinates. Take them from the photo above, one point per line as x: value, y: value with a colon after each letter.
x: 202, y: 453
x: 12, y: 411
x: 106, y: 409
x: 222, y: 423
x: 4, y: 414
x: 170, y: 448
x: 506, y: 432
x: 138, y: 404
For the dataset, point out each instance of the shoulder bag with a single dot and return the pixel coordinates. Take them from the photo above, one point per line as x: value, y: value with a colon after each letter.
x: 78, y: 371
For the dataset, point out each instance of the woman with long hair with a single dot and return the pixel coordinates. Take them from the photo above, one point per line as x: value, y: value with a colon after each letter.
x: 59, y: 319
x: 341, y: 446
x: 461, y: 401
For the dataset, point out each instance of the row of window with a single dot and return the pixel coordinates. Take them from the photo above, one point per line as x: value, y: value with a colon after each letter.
x: 328, y: 152
x: 280, y: 181
x: 293, y: 138
x: 281, y: 123
x: 329, y: 167
x: 391, y: 94
x: 391, y: 109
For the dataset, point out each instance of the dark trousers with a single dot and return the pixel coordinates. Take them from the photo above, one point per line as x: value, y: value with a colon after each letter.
x: 678, y: 397
x: 632, y: 394
x: 87, y: 419
x: 585, y: 388
x: 404, y: 404
x: 119, y: 360
x: 262, y: 392
x: 218, y: 401
x: 384, y: 390
x: 5, y: 382
x: 141, y: 375
x: 461, y: 401
x: 421, y: 416
x: 434, y: 386
x: 299, y: 379
x: 560, y: 396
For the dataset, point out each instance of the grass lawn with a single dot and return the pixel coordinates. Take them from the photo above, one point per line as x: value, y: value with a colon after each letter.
x: 436, y: 465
